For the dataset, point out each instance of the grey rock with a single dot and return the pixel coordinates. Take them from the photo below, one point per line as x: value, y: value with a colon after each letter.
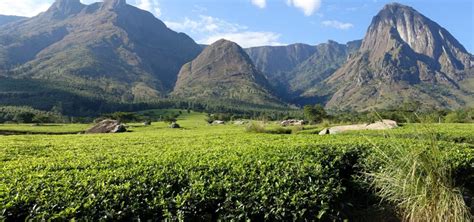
x: 175, y: 126
x: 218, y: 122
x: 292, y: 122
x: 107, y: 126
x: 379, y: 125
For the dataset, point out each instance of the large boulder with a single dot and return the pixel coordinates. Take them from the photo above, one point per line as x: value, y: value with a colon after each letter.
x: 240, y: 122
x: 108, y: 126
x: 292, y: 122
x: 340, y: 129
x: 218, y: 122
x: 379, y: 125
x: 383, y: 125
x: 175, y: 126
x: 325, y: 131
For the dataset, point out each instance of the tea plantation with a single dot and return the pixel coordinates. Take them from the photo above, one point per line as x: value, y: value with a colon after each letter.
x: 208, y: 173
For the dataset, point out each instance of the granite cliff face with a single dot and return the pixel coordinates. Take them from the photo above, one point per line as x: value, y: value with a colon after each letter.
x: 404, y: 56
x: 224, y: 73
x: 109, y: 48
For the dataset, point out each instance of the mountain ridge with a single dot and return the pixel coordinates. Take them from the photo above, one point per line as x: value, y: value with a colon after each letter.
x: 116, y: 52
x: 134, y: 57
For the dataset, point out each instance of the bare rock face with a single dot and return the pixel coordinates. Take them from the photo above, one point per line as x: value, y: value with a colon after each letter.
x: 64, y: 8
x: 107, y: 126
x: 398, y: 25
x: 404, y: 56
x: 111, y: 4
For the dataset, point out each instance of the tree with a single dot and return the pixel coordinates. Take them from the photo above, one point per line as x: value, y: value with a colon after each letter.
x: 315, y: 114
x: 169, y: 119
x: 125, y: 117
x: 24, y: 117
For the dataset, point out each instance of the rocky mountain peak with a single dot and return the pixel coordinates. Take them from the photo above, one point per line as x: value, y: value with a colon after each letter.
x: 112, y: 4
x: 225, y: 48
x: 65, y: 8
x: 402, y: 49
x: 226, y: 44
x: 397, y: 26
x: 394, y: 6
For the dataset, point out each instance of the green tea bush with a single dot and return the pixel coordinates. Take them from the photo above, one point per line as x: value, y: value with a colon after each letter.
x: 212, y: 173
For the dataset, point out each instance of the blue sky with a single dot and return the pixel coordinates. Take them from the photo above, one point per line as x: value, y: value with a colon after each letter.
x: 277, y: 22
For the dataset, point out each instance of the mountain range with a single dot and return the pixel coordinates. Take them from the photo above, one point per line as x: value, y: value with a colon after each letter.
x: 109, y: 49
x: 114, y: 52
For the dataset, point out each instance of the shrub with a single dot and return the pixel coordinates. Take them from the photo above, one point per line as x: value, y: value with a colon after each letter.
x: 255, y: 127
x: 418, y: 180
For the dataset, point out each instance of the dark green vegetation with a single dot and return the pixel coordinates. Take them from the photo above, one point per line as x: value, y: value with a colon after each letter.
x: 315, y: 114
x: 26, y: 114
x: 204, y: 172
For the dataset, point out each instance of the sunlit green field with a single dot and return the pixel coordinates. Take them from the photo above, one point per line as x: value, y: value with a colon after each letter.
x: 203, y: 172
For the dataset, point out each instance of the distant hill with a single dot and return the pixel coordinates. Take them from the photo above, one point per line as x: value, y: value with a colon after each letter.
x: 110, y: 49
x: 223, y: 72
x: 296, y: 68
x: 6, y: 19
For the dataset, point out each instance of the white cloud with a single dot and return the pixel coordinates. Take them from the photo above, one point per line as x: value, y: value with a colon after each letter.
x: 246, y: 39
x: 27, y: 8
x: 307, y: 6
x: 205, y: 24
x: 337, y: 24
x: 208, y: 29
x: 260, y: 3
x: 149, y: 5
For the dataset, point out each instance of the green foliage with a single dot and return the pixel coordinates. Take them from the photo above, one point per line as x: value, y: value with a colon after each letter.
x: 26, y: 114
x: 315, y: 114
x: 125, y: 117
x: 169, y: 119
x: 419, y: 181
x: 460, y: 116
x: 255, y: 127
x: 201, y: 173
x: 259, y: 127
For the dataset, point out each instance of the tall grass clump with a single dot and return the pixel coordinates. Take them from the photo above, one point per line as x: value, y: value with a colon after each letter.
x: 417, y: 178
x: 255, y: 127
